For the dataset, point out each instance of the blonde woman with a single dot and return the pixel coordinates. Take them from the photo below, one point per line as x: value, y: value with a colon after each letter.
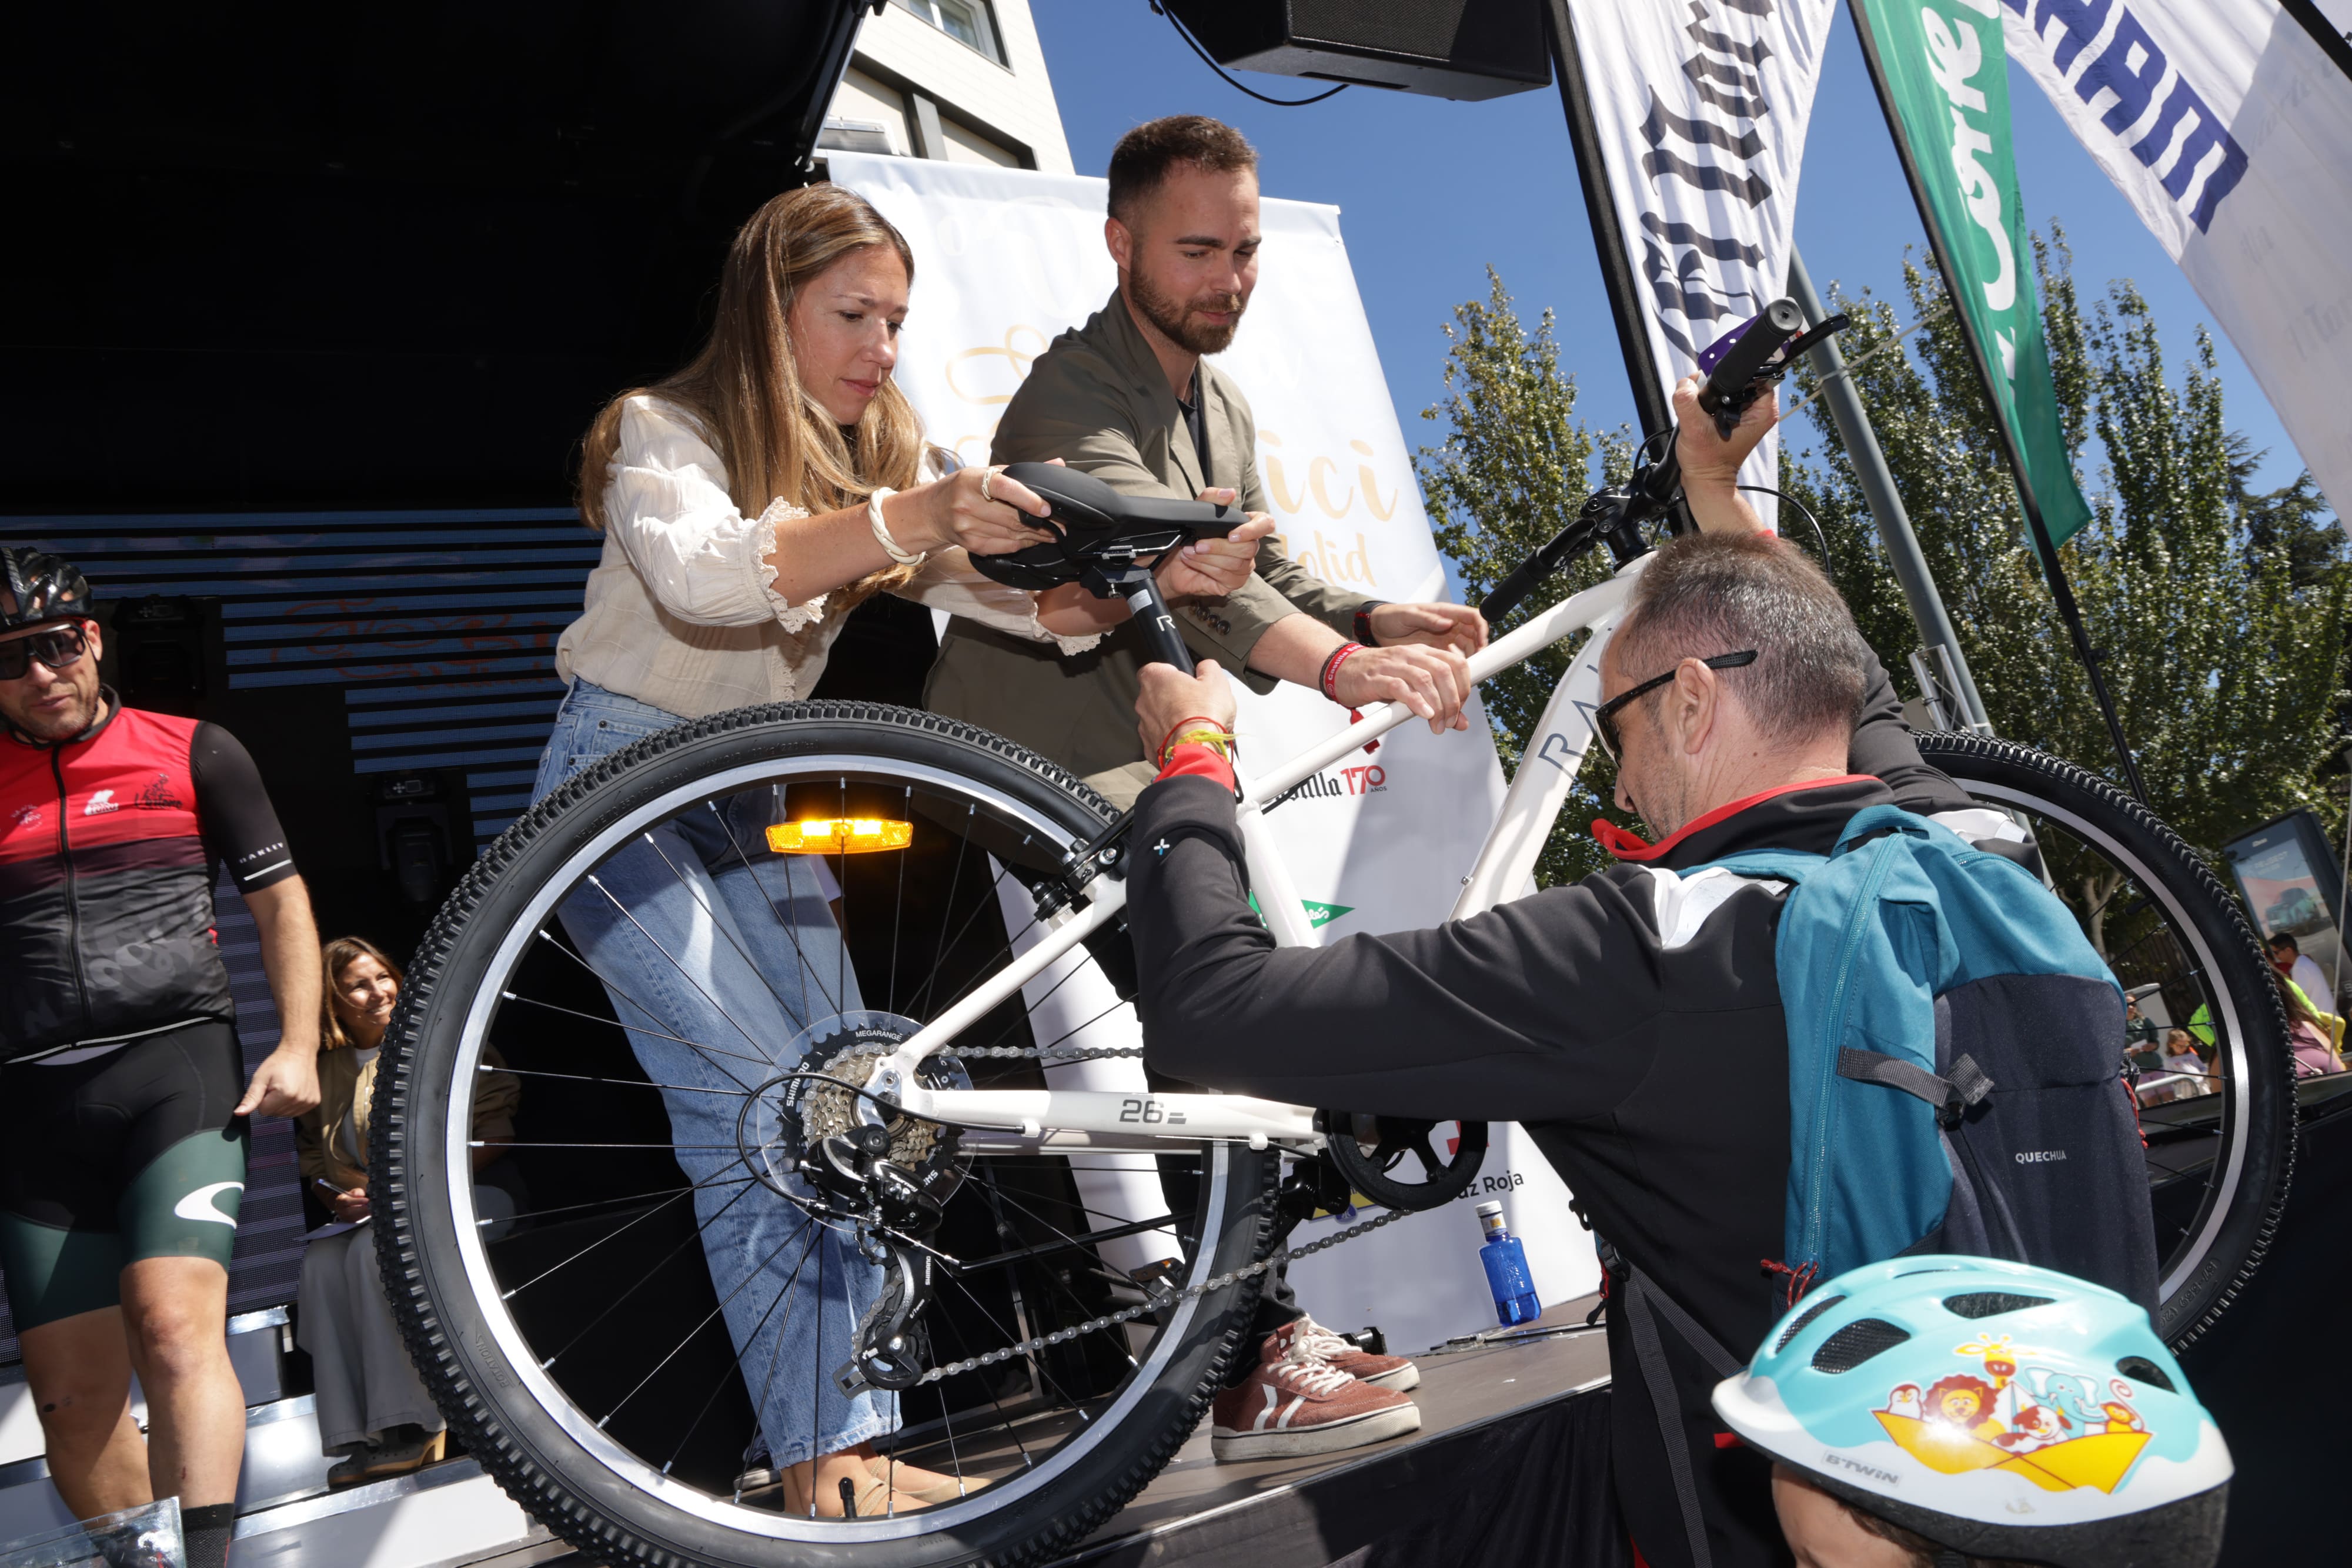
x: 372, y: 1409
x: 747, y: 503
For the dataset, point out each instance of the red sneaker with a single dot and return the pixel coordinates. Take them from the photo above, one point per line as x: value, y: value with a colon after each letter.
x: 1293, y: 1403
x: 1320, y: 1343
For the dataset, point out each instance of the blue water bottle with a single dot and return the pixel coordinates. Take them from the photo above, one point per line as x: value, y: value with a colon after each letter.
x: 1506, y: 1271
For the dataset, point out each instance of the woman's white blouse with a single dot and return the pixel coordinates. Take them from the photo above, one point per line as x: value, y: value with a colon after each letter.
x: 682, y: 610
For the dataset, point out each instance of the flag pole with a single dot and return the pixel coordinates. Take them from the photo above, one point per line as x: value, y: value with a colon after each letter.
x: 2052, y: 571
x: 1843, y: 401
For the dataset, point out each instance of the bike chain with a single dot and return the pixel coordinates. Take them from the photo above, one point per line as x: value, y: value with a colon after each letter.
x: 1045, y: 1054
x: 1052, y: 1058
x: 1111, y: 1319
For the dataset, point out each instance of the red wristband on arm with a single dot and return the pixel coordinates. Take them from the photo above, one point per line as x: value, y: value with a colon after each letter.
x: 1329, y: 679
x: 1198, y: 761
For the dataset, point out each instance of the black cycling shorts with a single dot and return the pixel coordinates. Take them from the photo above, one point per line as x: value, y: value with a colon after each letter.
x: 123, y: 1156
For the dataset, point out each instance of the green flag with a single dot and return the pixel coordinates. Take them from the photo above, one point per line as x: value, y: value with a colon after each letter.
x: 1943, y: 72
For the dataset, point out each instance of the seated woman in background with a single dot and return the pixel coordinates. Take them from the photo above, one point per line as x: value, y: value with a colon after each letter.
x: 373, y: 1408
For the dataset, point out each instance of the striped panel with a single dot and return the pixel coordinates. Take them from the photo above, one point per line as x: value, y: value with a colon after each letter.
x: 439, y: 626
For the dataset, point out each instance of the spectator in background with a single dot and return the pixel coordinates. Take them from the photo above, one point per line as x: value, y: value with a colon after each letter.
x: 373, y: 1407
x: 2307, y: 1031
x: 2289, y: 958
x: 2180, y: 1053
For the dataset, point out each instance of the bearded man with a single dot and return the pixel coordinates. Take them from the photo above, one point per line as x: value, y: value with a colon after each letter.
x: 1130, y: 399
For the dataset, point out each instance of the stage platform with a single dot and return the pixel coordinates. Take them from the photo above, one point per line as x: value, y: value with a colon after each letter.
x: 1504, y: 1424
x: 1510, y: 1466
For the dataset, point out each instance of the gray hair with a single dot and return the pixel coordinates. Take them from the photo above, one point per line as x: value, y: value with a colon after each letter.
x: 1705, y: 594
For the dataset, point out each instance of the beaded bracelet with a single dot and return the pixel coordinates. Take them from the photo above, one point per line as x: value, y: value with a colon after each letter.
x: 1329, y: 680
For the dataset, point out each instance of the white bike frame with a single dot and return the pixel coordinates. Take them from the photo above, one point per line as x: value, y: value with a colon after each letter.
x: 1055, y: 1121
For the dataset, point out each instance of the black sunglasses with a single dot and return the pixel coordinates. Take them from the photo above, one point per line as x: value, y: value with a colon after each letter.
x: 58, y: 650
x: 1605, y: 718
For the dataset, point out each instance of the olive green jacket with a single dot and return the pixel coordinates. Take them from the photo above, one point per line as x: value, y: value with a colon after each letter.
x: 1098, y: 400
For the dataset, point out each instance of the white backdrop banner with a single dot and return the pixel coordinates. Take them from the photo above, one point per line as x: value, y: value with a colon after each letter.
x: 1006, y: 259
x: 2228, y: 125
x: 1701, y: 110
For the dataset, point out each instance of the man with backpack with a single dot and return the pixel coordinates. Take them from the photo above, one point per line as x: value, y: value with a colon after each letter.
x: 1652, y: 1026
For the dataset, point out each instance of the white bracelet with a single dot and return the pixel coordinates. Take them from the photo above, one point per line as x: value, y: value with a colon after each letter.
x: 882, y: 532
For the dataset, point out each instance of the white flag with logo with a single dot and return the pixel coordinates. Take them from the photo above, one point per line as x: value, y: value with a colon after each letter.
x: 1006, y: 259
x: 2228, y: 125
x: 1701, y: 108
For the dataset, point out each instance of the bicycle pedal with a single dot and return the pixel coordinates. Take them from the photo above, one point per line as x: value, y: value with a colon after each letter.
x: 1157, y: 1282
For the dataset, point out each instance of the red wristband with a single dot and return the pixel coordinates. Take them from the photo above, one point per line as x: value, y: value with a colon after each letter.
x: 1329, y: 679
x: 1198, y: 761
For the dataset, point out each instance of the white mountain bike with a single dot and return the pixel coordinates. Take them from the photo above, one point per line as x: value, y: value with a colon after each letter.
x: 1070, y: 1251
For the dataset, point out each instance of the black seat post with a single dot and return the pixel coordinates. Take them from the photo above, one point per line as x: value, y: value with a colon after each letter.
x: 1132, y: 581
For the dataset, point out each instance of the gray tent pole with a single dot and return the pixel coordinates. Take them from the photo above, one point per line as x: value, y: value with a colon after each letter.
x: 1944, y: 658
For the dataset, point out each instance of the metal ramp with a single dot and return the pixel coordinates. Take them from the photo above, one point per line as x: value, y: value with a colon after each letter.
x: 443, y: 1516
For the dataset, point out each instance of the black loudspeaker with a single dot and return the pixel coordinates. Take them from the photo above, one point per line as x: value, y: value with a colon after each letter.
x: 1445, y: 48
x: 421, y: 825
x: 166, y: 653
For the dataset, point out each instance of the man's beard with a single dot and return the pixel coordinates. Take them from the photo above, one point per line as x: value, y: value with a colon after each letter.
x: 1171, y: 317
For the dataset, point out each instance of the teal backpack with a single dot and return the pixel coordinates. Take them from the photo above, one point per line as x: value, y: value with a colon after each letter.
x: 1955, y: 1086
x: 1955, y: 1063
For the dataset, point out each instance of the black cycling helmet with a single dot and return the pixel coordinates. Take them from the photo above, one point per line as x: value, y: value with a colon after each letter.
x: 39, y: 586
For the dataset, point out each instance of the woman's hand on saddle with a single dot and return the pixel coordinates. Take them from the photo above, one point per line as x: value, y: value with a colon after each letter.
x: 978, y: 509
x: 1456, y: 626
x: 1211, y: 568
x: 1433, y: 682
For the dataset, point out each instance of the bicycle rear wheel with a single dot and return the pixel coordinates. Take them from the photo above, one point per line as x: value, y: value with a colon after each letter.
x: 609, y: 1334
x: 2221, y: 1145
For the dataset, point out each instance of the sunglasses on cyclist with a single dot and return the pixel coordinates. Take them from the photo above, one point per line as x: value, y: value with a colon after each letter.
x: 1605, y: 718
x: 58, y: 649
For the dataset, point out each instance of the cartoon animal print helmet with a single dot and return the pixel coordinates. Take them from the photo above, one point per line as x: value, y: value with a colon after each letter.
x: 1995, y: 1409
x: 36, y: 586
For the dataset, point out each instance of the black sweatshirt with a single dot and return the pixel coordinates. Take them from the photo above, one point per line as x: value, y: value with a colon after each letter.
x: 1632, y: 1022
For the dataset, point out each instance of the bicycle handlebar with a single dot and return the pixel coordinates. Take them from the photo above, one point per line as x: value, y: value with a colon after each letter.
x: 1737, y: 369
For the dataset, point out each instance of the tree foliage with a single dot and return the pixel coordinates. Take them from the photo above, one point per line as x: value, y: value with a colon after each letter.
x: 1514, y: 468
x: 2221, y: 613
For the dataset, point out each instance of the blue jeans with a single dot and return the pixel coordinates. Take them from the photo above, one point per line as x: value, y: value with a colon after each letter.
x: 706, y: 913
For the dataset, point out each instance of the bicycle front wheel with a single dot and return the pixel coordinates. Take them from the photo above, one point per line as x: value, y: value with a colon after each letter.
x: 2220, y: 1142
x: 631, y: 1307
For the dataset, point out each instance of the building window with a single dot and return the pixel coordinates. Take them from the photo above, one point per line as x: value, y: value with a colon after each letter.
x: 966, y: 21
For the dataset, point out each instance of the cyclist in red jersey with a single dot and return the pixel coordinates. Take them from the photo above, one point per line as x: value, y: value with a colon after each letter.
x: 122, y: 1127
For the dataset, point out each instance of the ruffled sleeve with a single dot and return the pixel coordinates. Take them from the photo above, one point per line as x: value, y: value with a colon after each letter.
x: 668, y: 506
x: 949, y: 581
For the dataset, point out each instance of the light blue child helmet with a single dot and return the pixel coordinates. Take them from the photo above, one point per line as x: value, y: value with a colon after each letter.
x: 1998, y: 1409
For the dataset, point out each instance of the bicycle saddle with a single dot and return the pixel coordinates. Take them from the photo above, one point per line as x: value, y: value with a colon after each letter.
x: 1098, y: 525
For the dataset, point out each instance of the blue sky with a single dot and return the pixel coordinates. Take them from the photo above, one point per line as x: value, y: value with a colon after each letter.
x: 1432, y: 192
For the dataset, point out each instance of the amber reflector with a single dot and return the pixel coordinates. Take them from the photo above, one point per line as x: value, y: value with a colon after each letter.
x: 840, y: 836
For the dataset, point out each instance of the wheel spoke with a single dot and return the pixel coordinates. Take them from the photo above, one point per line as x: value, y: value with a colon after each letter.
x: 733, y: 1369
x: 709, y: 1318
x: 705, y: 1051
x: 727, y: 928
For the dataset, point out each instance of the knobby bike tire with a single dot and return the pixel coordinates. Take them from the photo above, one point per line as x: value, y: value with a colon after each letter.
x: 447, y: 1327
x: 2236, y: 1228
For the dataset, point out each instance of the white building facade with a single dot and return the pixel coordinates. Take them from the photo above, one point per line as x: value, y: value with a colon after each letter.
x: 959, y: 81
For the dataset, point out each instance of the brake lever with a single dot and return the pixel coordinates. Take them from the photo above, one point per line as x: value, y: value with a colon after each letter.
x: 1728, y: 414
